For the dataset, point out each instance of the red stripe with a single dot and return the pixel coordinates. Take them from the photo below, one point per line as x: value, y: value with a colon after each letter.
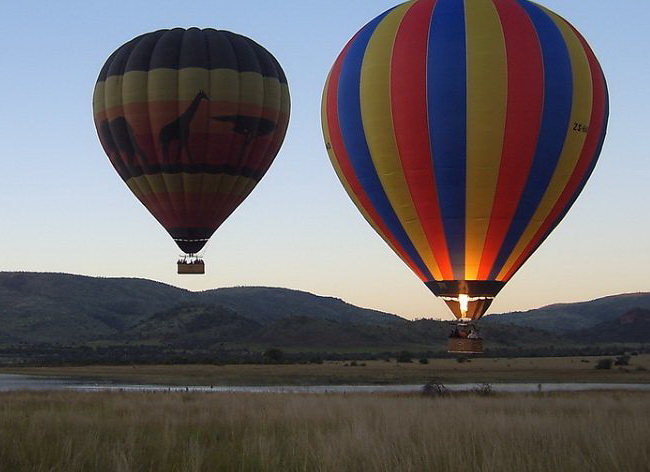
x: 340, y: 153
x: 410, y: 121
x: 525, y: 71
x: 583, y: 165
x: 196, y: 211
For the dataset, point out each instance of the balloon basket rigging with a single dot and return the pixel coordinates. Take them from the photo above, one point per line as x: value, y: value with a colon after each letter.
x: 465, y: 339
x: 191, y: 264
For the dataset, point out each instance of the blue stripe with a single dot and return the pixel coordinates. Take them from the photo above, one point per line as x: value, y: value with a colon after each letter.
x: 558, y: 98
x: 354, y: 139
x: 592, y: 165
x: 601, y: 142
x: 447, y: 109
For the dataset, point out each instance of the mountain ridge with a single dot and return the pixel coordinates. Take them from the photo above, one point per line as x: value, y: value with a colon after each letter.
x: 68, y: 309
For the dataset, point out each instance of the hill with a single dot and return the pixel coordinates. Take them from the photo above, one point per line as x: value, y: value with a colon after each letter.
x: 632, y: 326
x: 266, y: 305
x: 70, y: 310
x: 64, y: 308
x: 564, y: 318
x: 218, y: 327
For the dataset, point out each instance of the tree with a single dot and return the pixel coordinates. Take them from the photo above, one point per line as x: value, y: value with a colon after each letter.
x: 273, y: 356
x: 405, y: 356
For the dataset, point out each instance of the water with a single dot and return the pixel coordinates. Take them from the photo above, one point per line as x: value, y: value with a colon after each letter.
x: 12, y: 383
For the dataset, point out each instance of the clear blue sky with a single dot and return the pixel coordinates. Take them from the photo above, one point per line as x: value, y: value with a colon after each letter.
x: 64, y: 209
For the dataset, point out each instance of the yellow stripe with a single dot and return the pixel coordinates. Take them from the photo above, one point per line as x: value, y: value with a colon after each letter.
x: 190, y: 183
x: 580, y: 113
x: 486, y: 115
x: 100, y: 99
x: 341, y: 175
x: 221, y: 85
x: 378, y: 126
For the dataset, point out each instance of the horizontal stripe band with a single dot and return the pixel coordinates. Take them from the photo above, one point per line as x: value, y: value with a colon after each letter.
x: 179, y: 48
x: 184, y: 182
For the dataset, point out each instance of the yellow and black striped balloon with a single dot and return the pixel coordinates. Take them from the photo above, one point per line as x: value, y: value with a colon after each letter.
x: 191, y: 120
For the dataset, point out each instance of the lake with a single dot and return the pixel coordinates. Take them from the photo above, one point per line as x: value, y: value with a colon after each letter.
x: 11, y: 383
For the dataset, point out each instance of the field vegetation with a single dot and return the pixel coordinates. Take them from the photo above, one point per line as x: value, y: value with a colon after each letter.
x: 553, y: 369
x: 74, y: 431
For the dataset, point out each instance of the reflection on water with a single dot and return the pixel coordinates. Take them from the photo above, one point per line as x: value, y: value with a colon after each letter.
x: 11, y: 383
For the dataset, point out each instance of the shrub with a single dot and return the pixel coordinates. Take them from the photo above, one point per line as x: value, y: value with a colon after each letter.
x: 405, y: 356
x: 434, y: 388
x: 423, y: 360
x: 622, y: 360
x: 484, y: 390
x: 273, y: 356
x: 604, y: 364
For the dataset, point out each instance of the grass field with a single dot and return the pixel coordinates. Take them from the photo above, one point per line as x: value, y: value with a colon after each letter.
x: 56, y: 431
x: 554, y: 369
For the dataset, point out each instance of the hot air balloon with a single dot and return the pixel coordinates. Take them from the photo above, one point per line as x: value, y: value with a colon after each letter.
x: 191, y: 121
x: 464, y: 130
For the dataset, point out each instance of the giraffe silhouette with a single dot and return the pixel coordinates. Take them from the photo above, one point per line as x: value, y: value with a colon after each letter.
x: 179, y: 130
x: 250, y: 127
x: 118, y: 137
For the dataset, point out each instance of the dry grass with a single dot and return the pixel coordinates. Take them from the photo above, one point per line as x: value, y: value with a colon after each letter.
x: 265, y: 432
x: 551, y: 369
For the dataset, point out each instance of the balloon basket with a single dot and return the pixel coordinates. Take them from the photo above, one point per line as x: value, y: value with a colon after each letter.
x: 465, y: 346
x: 196, y: 267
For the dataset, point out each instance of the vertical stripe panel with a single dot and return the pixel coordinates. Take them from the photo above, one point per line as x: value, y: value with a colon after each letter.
x: 345, y: 157
x: 343, y: 169
x: 447, y: 105
x: 558, y: 95
x: 377, y: 118
x: 525, y: 96
x: 486, y: 111
x: 353, y: 133
x: 370, y: 216
x: 586, y: 163
x: 410, y: 122
x: 575, y: 138
x: 580, y: 117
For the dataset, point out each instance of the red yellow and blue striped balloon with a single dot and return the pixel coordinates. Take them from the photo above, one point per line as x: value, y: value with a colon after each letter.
x: 464, y: 130
x: 191, y: 120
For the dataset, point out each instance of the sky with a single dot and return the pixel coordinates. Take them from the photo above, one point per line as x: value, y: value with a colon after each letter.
x: 63, y: 208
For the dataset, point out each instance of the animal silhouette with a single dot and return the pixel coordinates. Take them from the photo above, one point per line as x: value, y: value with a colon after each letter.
x: 179, y: 130
x: 248, y: 126
x: 119, y: 138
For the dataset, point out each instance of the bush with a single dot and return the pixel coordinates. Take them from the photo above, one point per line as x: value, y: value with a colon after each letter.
x: 484, y: 390
x: 435, y: 389
x: 604, y: 364
x: 405, y: 356
x: 424, y: 360
x: 273, y: 356
x: 622, y: 360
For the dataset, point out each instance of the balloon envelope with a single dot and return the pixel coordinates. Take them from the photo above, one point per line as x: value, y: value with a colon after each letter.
x: 464, y: 130
x: 191, y: 120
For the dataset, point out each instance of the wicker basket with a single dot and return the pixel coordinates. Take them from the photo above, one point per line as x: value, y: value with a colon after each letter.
x: 465, y: 346
x: 185, y: 268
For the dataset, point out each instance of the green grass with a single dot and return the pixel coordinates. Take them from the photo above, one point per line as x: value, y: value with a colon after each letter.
x: 264, y: 432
